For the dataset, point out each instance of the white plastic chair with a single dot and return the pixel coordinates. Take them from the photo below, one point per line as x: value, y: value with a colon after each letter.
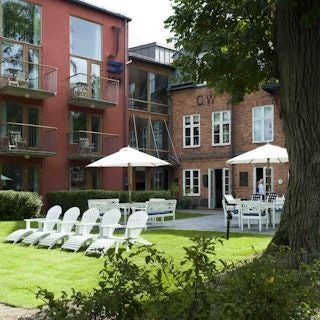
x: 136, y: 223
x: 83, y: 236
x: 252, y: 211
x: 276, y: 211
x: 83, y: 227
x: 69, y: 217
x: 44, y: 224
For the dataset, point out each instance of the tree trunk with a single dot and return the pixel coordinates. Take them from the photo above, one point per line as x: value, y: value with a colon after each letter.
x: 297, y: 46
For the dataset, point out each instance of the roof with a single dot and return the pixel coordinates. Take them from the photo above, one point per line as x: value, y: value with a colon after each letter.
x: 271, y: 87
x: 152, y: 44
x: 186, y: 85
x: 92, y: 6
x: 135, y: 56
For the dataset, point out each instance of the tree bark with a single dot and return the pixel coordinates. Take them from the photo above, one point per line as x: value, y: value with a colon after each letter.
x: 297, y: 46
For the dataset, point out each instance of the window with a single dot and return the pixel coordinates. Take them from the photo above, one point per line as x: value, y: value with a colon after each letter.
x: 85, y: 125
x: 19, y: 180
x: 144, y: 137
x: 158, y: 88
x: 191, y: 183
x: 24, y: 60
x: 132, y: 138
x: 221, y: 128
x: 14, y: 115
x: 262, y: 123
x: 191, y: 131
x: 158, y: 130
x: 21, y: 21
x: 158, y: 180
x: 85, y: 38
x: 77, y: 178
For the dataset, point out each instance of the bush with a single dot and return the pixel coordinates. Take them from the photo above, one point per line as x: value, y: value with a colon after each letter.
x: 184, y: 203
x: 199, y: 288
x: 79, y: 198
x: 18, y: 205
x: 267, y: 289
x: 143, y: 291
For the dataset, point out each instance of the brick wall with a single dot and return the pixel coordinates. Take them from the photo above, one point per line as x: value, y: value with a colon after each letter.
x: 203, y: 101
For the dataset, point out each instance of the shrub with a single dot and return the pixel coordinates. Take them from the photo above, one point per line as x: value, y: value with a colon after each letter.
x: 199, y: 288
x: 267, y: 289
x: 17, y: 205
x: 184, y: 203
x: 79, y: 198
x: 143, y: 291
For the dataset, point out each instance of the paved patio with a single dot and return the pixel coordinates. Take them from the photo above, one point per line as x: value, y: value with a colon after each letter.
x: 212, y: 220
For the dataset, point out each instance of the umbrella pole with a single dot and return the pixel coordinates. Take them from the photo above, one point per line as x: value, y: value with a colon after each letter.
x: 268, y: 177
x: 129, y: 182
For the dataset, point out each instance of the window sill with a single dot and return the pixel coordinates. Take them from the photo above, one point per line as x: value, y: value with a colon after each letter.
x: 191, y: 147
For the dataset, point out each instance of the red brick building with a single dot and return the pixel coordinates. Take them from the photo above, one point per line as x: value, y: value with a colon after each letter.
x: 63, y: 94
x: 208, y: 131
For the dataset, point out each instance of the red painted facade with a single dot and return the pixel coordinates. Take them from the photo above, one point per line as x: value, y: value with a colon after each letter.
x: 55, y: 111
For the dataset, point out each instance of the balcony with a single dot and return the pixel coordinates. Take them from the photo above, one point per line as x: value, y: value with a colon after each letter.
x: 93, y: 92
x: 25, y: 79
x: 151, y: 107
x: 90, y: 145
x: 27, y: 140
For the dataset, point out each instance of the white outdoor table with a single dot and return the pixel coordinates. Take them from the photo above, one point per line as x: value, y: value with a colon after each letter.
x: 125, y: 207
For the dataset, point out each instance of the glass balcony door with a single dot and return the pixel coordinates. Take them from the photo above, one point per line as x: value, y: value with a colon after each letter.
x: 85, y: 78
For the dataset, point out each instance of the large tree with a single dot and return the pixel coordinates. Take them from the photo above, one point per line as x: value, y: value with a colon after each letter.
x: 238, y: 45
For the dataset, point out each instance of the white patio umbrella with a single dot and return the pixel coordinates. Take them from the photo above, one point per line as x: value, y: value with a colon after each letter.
x: 3, y: 178
x: 128, y: 157
x: 268, y: 153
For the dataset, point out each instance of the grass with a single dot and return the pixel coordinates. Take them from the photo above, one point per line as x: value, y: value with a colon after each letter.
x: 24, y: 269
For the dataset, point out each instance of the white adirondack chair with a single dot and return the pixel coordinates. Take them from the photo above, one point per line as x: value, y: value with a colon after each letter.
x: 44, y: 224
x: 69, y: 217
x: 83, y: 233
x: 136, y: 223
x: 64, y: 230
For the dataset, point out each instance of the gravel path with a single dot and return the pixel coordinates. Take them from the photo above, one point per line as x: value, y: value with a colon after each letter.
x: 11, y: 313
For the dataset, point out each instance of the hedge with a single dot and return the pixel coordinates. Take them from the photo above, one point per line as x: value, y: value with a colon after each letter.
x: 18, y: 205
x: 69, y: 198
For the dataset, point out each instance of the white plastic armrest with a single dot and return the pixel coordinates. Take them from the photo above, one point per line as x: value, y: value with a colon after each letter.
x: 64, y: 222
x: 137, y: 227
x: 28, y: 221
x: 78, y: 224
x: 111, y: 225
x: 34, y: 219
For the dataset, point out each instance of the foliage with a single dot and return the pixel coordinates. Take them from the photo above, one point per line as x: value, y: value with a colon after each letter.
x: 174, y: 190
x: 268, y: 289
x: 184, y: 203
x: 79, y: 198
x: 128, y: 291
x: 200, y: 288
x: 234, y: 38
x: 16, y: 205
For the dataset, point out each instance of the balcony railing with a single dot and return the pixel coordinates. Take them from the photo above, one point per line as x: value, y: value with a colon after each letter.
x: 91, y: 145
x: 25, y: 79
x: 152, y: 107
x: 92, y: 91
x: 28, y: 140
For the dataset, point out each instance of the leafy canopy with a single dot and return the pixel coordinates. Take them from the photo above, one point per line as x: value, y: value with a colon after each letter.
x: 229, y: 43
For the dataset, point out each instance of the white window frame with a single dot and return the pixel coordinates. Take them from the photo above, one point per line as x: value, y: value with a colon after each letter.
x: 221, y: 123
x: 226, y: 181
x: 263, y: 121
x: 191, y: 193
x: 191, y: 126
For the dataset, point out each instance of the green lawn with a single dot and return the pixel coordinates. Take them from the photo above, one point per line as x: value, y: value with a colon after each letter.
x: 23, y: 269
